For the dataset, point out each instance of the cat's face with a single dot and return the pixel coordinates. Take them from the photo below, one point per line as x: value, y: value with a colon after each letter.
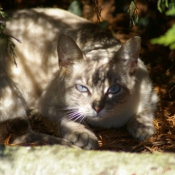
x: 97, y: 84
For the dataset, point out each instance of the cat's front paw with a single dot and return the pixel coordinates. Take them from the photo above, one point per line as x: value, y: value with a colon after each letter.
x: 141, y: 128
x: 83, y: 139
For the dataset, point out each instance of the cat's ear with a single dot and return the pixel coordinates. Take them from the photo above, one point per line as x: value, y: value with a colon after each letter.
x: 129, y: 53
x: 68, y: 51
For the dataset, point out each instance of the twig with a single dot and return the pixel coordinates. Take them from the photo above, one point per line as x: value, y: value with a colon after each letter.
x: 98, y: 8
x: 170, y: 91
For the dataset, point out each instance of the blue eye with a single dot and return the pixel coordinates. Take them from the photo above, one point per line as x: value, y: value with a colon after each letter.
x: 81, y: 88
x: 114, y: 89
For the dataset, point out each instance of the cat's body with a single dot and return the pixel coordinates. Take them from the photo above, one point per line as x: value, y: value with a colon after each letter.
x: 102, y: 85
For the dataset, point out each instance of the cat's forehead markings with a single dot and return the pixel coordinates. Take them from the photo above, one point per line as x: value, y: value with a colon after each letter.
x: 99, y: 55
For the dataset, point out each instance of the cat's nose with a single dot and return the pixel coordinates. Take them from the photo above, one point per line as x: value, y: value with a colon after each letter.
x: 97, y: 109
x: 97, y: 105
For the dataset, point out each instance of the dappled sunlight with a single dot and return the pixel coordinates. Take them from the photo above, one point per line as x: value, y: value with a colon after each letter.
x: 159, y: 61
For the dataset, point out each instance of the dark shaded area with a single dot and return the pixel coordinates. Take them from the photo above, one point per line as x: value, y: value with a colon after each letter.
x: 159, y: 60
x: 21, y: 4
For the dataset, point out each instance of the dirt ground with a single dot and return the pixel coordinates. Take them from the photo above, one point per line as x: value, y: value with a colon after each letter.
x: 159, y: 60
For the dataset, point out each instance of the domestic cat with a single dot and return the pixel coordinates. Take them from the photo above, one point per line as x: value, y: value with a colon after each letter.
x: 76, y: 75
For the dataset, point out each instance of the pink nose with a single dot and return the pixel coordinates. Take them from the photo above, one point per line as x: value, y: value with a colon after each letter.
x: 97, y: 109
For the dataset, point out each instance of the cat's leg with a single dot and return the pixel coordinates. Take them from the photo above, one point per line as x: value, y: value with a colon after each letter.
x: 78, y: 134
x: 14, y: 124
x: 141, y: 126
x: 18, y: 131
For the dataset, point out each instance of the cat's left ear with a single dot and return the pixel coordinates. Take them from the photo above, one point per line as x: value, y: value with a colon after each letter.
x: 129, y: 53
x: 68, y: 51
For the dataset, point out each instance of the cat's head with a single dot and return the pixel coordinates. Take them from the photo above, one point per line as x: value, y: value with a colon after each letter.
x: 99, y: 82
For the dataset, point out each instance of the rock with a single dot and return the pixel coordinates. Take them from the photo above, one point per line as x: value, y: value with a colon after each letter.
x: 59, y: 160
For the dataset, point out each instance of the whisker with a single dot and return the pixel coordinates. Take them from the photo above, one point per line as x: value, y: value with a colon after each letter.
x: 83, y: 117
x: 73, y: 115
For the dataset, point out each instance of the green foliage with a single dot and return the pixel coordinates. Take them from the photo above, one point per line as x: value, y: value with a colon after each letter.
x: 76, y: 8
x: 7, y: 45
x: 168, y: 39
x: 171, y: 11
x: 132, y: 10
x: 163, y: 4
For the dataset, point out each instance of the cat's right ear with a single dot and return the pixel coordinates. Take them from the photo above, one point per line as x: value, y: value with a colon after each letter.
x: 68, y: 51
x: 129, y: 53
